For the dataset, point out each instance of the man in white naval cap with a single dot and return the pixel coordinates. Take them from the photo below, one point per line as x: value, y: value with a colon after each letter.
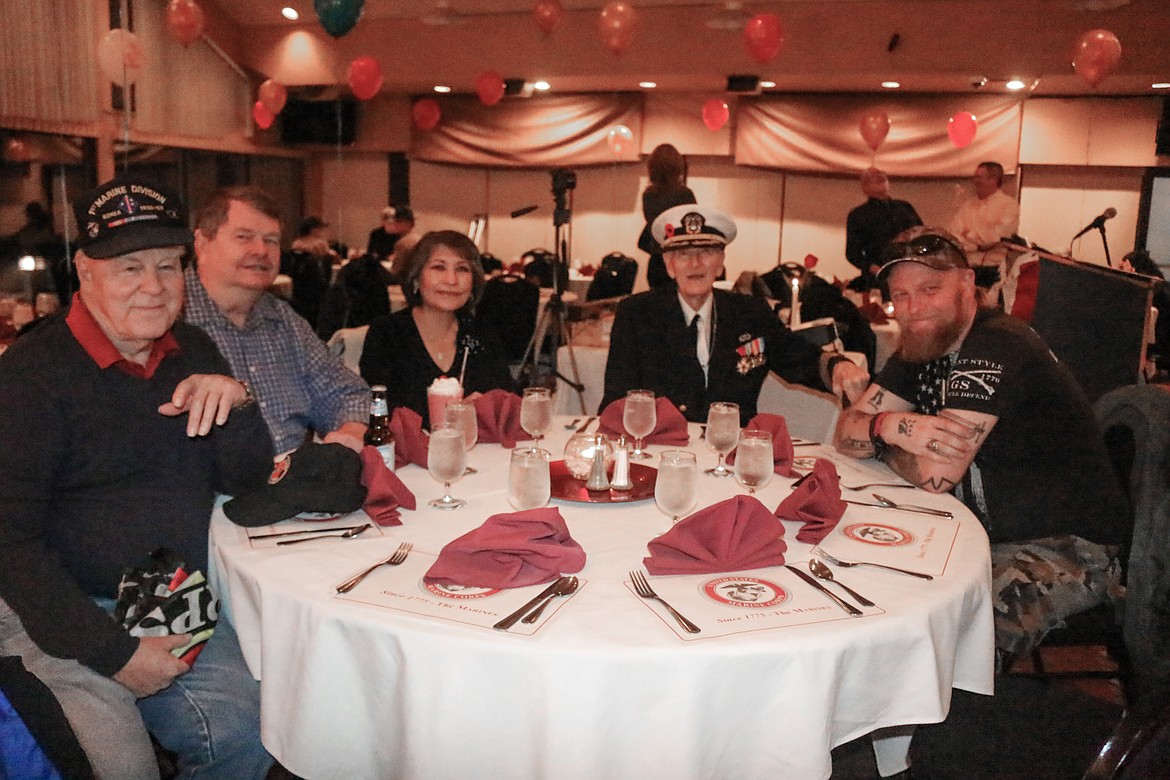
x: 697, y: 345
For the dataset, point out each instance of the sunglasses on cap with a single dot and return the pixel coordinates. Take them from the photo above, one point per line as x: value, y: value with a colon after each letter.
x: 931, y: 249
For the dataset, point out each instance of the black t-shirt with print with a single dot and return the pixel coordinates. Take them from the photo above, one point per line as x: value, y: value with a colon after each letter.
x: 1043, y: 470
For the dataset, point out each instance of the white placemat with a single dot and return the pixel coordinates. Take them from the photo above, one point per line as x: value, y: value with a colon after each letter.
x: 920, y: 543
x: 301, y: 528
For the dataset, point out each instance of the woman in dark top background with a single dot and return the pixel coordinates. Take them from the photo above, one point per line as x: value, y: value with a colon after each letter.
x: 409, y: 349
x: 668, y: 188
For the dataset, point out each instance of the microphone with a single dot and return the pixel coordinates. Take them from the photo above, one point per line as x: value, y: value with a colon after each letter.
x: 529, y: 209
x: 1097, y: 223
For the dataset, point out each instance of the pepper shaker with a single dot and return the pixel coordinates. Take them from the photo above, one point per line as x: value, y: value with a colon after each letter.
x: 597, y: 476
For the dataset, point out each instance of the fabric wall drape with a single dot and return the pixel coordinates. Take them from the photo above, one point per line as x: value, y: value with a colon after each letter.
x: 819, y: 133
x: 531, y: 133
x: 47, y: 60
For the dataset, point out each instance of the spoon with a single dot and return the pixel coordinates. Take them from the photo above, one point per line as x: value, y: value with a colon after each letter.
x: 568, y: 589
x: 351, y: 533
x: 823, y: 572
x: 887, y: 502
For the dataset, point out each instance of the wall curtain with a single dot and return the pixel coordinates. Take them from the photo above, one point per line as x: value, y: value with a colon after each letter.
x: 532, y: 133
x: 819, y: 133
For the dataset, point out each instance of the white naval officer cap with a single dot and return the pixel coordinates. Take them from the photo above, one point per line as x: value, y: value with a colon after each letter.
x: 691, y: 225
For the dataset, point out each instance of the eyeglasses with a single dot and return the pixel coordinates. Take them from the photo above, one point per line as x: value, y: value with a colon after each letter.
x: 922, y: 246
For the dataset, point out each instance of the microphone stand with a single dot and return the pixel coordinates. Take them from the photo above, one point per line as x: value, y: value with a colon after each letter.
x: 1105, y: 243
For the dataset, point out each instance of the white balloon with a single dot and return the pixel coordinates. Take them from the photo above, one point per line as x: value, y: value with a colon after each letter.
x: 121, y: 56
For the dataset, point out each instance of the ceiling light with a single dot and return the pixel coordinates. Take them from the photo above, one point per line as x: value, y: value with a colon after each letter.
x: 1015, y: 84
x: 1161, y: 85
x: 290, y: 13
x: 767, y: 84
x: 442, y: 89
x: 647, y: 84
x: 891, y: 84
x: 541, y: 86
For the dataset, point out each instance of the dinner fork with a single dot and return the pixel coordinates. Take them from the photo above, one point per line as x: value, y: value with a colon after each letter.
x: 847, y: 564
x: 643, y: 589
x: 877, y: 484
x: 398, y: 557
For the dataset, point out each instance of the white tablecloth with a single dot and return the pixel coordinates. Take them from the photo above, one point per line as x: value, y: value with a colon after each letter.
x: 606, y: 689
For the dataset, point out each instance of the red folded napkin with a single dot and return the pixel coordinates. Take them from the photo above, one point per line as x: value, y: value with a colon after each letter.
x: 781, y: 442
x: 816, y: 502
x: 385, y: 492
x: 671, y: 427
x: 739, y: 533
x: 510, y: 550
x: 410, y: 443
x: 498, y: 413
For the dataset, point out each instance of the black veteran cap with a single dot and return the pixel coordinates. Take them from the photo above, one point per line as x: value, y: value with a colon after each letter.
x: 929, y: 246
x: 693, y: 225
x: 314, y: 478
x: 127, y: 214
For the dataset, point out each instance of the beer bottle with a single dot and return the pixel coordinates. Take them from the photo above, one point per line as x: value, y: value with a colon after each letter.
x: 378, y: 433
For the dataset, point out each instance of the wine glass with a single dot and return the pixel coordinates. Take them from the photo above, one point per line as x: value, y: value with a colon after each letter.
x: 639, y: 418
x: 536, y: 412
x: 529, y: 481
x: 674, y: 487
x: 753, y: 460
x: 722, y: 434
x: 462, y: 415
x: 446, y: 459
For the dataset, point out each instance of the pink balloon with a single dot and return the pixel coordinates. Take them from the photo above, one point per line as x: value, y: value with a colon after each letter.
x: 263, y: 117
x: 185, y: 21
x: 620, y: 139
x: 764, y: 35
x: 547, y: 15
x: 1096, y: 56
x: 489, y: 85
x: 874, y: 128
x: 120, y: 56
x: 962, y: 128
x: 426, y: 114
x: 616, y: 25
x: 364, y: 77
x: 715, y: 114
x: 273, y: 95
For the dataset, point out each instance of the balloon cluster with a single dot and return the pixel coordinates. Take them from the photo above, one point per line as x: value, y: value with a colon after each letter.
x: 272, y: 97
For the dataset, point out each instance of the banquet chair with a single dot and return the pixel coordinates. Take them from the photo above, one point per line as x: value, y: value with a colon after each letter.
x: 509, y: 306
x: 1139, y: 747
x: 347, y: 344
x: 614, y: 278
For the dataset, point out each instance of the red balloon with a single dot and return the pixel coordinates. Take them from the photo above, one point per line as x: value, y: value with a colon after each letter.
x: 490, y: 87
x: 365, y: 77
x: 547, y: 15
x: 426, y: 114
x: 810, y: 261
x: 620, y: 140
x: 874, y: 128
x: 715, y: 114
x: 185, y: 21
x: 763, y: 35
x: 17, y: 151
x: 616, y: 25
x: 264, y: 118
x: 1097, y: 54
x: 273, y: 95
x: 962, y: 128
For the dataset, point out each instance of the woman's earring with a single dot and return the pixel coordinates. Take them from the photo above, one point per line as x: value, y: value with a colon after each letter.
x: 414, y: 287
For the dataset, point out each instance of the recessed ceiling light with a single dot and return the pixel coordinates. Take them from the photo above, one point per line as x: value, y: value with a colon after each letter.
x: 647, y: 84
x: 442, y: 89
x: 541, y: 85
x: 290, y: 13
x: 891, y: 84
x: 1015, y: 84
x: 767, y: 84
x: 1161, y: 85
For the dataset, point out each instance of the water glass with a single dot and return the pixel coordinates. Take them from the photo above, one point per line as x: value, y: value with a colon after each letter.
x: 536, y: 412
x: 754, y: 464
x: 674, y: 487
x: 722, y: 434
x: 529, y: 482
x: 446, y: 459
x: 639, y: 417
x: 462, y: 415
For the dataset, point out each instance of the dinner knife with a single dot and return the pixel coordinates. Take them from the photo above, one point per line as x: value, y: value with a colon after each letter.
x: 510, y: 621
x: 845, y: 605
x: 903, y: 508
x: 305, y: 531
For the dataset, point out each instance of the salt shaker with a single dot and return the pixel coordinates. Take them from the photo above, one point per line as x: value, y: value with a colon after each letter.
x: 597, y: 477
x: 621, y: 466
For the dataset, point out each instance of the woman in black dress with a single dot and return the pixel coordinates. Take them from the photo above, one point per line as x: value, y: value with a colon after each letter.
x: 436, y: 334
x: 668, y: 188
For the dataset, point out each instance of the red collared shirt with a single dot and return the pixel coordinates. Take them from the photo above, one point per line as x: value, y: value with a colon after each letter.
x: 97, y: 344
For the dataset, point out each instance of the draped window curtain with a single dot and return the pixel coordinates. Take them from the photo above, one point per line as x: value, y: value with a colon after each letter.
x: 531, y: 133
x: 819, y: 133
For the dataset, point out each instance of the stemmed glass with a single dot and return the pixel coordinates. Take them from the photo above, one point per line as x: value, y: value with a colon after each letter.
x: 722, y: 434
x: 536, y: 412
x: 753, y: 460
x: 674, y: 487
x: 446, y: 459
x: 529, y: 481
x: 639, y: 417
x: 462, y: 415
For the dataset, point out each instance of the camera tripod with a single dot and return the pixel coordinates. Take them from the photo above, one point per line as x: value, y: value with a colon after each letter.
x: 553, y: 316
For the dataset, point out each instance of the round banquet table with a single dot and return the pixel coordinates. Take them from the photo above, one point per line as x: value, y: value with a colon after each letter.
x: 604, y: 687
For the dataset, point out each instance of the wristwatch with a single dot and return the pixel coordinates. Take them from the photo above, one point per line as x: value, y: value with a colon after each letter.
x: 249, y: 399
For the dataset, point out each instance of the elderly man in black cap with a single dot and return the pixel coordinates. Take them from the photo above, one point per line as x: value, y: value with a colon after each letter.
x: 975, y: 404
x: 120, y: 424
x: 697, y: 345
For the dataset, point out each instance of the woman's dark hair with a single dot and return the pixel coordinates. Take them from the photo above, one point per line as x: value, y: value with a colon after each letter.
x: 1143, y: 264
x: 457, y: 243
x: 667, y: 168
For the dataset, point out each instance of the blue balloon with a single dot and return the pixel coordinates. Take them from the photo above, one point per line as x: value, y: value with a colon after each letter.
x: 338, y: 16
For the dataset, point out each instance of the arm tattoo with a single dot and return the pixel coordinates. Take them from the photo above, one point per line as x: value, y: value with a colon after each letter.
x: 938, y: 483
x: 857, y: 445
x: 876, y: 401
x: 905, y: 425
